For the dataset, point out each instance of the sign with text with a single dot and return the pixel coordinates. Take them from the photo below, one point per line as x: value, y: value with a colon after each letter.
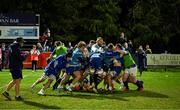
x: 13, y: 25
x: 12, y: 19
x: 163, y: 59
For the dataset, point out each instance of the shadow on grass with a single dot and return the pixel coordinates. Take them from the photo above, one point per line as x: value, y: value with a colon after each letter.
x: 89, y: 96
x: 39, y: 105
x: 117, y: 95
x: 145, y: 93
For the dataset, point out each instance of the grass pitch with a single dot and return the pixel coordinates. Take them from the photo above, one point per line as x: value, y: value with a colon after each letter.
x: 162, y: 91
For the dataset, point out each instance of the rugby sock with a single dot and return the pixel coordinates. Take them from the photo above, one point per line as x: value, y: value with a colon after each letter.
x: 56, y: 83
x: 126, y: 84
x: 91, y: 79
x: 97, y: 80
x: 139, y: 83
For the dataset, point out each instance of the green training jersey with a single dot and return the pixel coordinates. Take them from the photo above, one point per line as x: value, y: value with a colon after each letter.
x: 59, y: 51
x: 128, y: 60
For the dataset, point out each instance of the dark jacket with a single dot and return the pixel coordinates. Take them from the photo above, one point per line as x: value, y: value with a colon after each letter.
x: 16, y: 57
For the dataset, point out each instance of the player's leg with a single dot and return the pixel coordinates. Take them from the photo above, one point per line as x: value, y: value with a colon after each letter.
x: 9, y: 86
x: 77, y: 77
x: 109, y: 80
x: 39, y: 80
x: 125, y: 76
x: 98, y: 76
x: 16, y: 74
x: 117, y: 75
x: 47, y: 84
x: 138, y: 83
x: 17, y: 86
x: 84, y: 74
x: 63, y: 81
x: 132, y: 79
x: 58, y: 80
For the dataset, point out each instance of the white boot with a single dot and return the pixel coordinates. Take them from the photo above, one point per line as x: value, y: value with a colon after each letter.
x: 41, y: 92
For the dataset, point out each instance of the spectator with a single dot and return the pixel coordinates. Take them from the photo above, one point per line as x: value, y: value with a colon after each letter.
x: 122, y: 39
x: 148, y: 51
x: 34, y: 57
x: 16, y: 58
x: 130, y: 47
x: 39, y: 47
x: 48, y: 42
x: 42, y: 39
x: 141, y: 59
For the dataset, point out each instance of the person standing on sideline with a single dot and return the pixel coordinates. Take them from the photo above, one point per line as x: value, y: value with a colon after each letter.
x: 16, y: 58
x: 34, y: 57
x: 147, y: 51
x: 122, y: 39
x: 141, y: 59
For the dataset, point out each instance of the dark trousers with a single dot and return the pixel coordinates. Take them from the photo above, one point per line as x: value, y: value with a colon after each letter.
x: 34, y: 65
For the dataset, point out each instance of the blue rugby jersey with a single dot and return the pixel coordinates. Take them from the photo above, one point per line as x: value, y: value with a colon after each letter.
x: 119, y: 58
x: 108, y: 58
x: 56, y: 65
x: 96, y: 58
x: 77, y: 57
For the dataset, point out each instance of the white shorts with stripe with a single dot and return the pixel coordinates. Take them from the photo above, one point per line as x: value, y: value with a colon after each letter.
x: 132, y: 70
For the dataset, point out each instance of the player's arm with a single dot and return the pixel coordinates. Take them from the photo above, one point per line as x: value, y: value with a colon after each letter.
x: 123, y: 52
